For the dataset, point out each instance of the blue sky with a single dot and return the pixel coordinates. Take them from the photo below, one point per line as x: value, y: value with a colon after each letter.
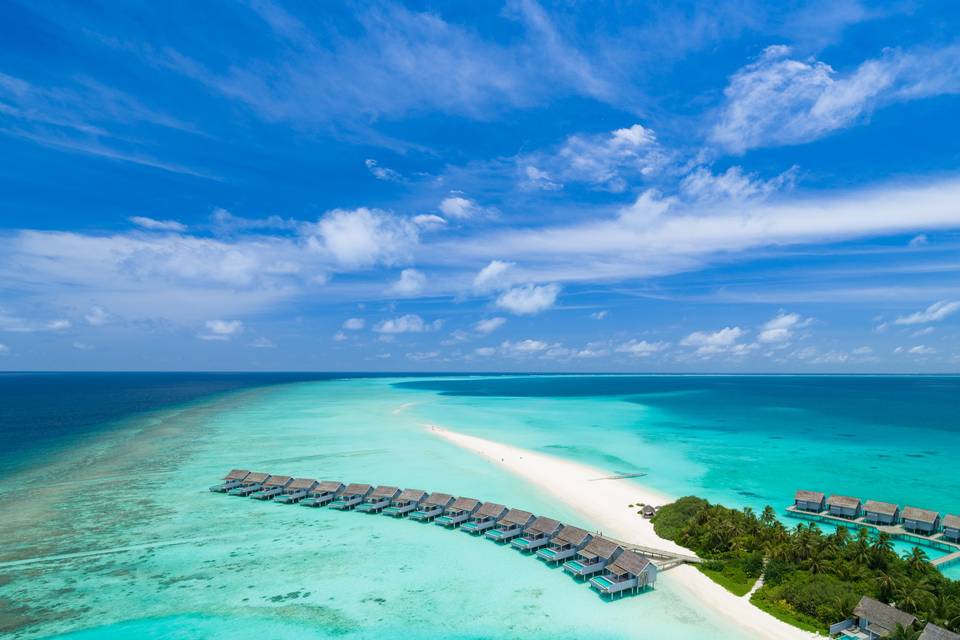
x: 662, y: 187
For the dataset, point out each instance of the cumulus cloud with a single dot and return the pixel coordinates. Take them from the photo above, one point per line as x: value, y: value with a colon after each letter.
x: 354, y: 324
x: 714, y: 342
x: 97, y: 316
x: 411, y: 282
x: 461, y: 208
x: 382, y: 173
x: 363, y: 237
x: 779, y: 100
x: 539, y: 179
x: 263, y: 343
x: 221, y: 329
x: 489, y: 325
x: 158, y: 225
x: 782, y: 327
x: 528, y: 299
x: 641, y: 348
x: 934, y: 313
x: 492, y: 276
x: 523, y: 347
x: 410, y: 323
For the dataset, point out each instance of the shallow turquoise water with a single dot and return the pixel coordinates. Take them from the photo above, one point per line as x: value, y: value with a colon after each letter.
x: 188, y: 563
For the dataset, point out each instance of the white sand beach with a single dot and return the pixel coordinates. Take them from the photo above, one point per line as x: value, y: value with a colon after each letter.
x: 606, y: 504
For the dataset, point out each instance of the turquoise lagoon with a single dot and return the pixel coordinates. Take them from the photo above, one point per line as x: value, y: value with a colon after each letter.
x: 117, y: 536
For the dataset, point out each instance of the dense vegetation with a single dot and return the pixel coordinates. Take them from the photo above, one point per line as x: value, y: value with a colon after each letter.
x: 809, y: 579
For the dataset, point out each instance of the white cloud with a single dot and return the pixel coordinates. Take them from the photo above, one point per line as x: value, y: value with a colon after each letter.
x: 382, y: 173
x: 423, y: 355
x: 354, y: 324
x: 410, y: 323
x: 714, y: 342
x: 97, y: 317
x: 593, y: 350
x: 934, y: 313
x: 485, y: 351
x: 779, y: 100
x: 599, y: 315
x: 411, y: 282
x: 528, y: 299
x: 703, y: 186
x: 641, y: 348
x: 59, y: 325
x: 523, y: 347
x: 263, y: 343
x: 221, y: 329
x: 82, y: 346
x: 918, y: 241
x: 862, y: 351
x: 538, y: 179
x: 782, y: 327
x: 456, y: 206
x: 4, y: 349
x: 16, y: 324
x: 491, y: 277
x: 158, y: 225
x: 365, y: 237
x: 339, y: 336
x: 489, y: 325
x: 917, y: 350
x: 922, y: 332
x: 429, y: 221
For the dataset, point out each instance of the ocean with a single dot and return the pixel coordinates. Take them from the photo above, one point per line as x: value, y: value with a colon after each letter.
x: 109, y: 530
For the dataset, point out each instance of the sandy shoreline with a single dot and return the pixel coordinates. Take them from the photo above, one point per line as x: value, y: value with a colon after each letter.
x: 605, y: 503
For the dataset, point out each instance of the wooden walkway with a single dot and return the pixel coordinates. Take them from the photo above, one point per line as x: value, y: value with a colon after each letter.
x: 663, y: 559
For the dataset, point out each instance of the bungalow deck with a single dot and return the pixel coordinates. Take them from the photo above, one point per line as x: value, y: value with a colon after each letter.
x: 272, y: 488
x: 565, y: 544
x: 433, y: 507
x: 458, y: 513
x: 324, y: 493
x: 351, y: 497
x: 593, y: 558
x: 631, y: 571
x: 510, y: 526
x: 296, y: 491
x: 537, y: 535
x: 407, y: 502
x: 378, y: 500
x: 485, y: 518
x: 231, y: 481
x: 251, y: 484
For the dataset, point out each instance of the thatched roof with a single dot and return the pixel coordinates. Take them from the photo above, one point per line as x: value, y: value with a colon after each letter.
x: 808, y: 496
x: 302, y: 483
x: 278, y: 481
x: 256, y: 477
x: 490, y: 509
x: 571, y: 535
x: 357, y: 489
x: 844, y: 502
x: 600, y: 548
x: 516, y: 517
x: 629, y: 562
x: 883, y: 508
x: 236, y: 474
x: 438, y: 499
x: 933, y: 632
x: 385, y: 491
x: 883, y: 618
x: 952, y: 522
x: 464, y: 504
x: 546, y: 526
x: 410, y: 495
x: 330, y: 486
x: 920, y: 515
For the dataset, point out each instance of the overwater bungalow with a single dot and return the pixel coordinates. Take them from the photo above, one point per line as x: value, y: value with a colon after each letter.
x: 408, y: 501
x: 510, y: 526
x: 873, y: 620
x: 325, y: 492
x: 921, y: 521
x: 629, y: 572
x: 297, y: 490
x: 812, y: 501
x: 272, y: 487
x: 593, y: 558
x: 351, y: 497
x: 457, y: 513
x: 379, y: 499
x: 933, y: 632
x: 252, y: 483
x: 537, y: 535
x: 432, y: 507
x: 884, y: 513
x: 845, y: 507
x: 485, y: 518
x: 231, y: 481
x: 951, y: 528
x: 565, y: 544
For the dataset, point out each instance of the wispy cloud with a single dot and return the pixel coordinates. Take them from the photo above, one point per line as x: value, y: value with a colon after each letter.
x: 934, y: 313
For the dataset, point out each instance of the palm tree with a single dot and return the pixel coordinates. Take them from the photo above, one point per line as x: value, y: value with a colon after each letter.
x: 916, y: 560
x: 887, y: 584
x: 768, y: 517
x: 915, y: 596
x: 904, y: 633
x: 883, y: 543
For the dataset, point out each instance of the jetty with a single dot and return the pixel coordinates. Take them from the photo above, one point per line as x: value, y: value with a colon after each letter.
x: 615, y: 567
